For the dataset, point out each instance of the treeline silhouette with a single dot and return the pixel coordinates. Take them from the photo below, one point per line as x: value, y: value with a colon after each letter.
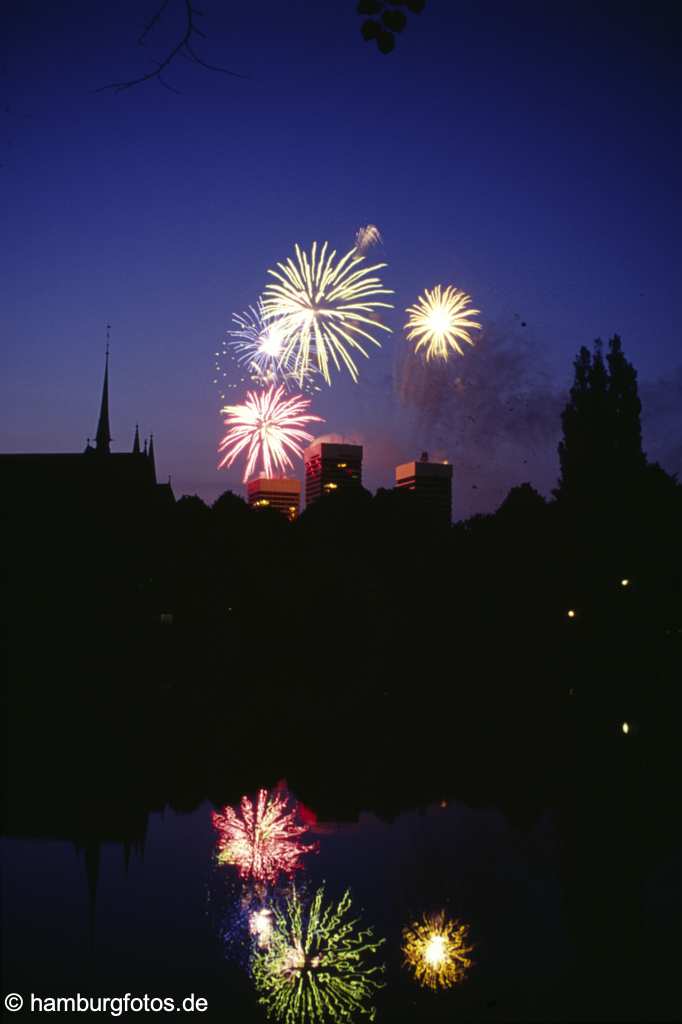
x: 363, y: 639
x: 376, y: 661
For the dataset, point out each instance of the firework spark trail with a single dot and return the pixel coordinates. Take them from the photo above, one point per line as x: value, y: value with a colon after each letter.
x: 262, y: 840
x: 436, y: 950
x: 222, y: 372
x: 440, y: 320
x: 366, y: 236
x: 325, y: 309
x: 256, y: 344
x: 313, y: 970
x: 266, y: 425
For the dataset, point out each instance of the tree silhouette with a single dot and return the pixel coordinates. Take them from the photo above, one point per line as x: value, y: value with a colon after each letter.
x: 523, y: 503
x: 341, y: 514
x: 626, y: 411
x: 388, y: 20
x: 600, y: 454
x: 184, y: 47
x: 230, y: 507
x: 191, y: 507
x: 385, y: 22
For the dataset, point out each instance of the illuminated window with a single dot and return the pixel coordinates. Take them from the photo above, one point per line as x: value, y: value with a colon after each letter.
x: 341, y: 465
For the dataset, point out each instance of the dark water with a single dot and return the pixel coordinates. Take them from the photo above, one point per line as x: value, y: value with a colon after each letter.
x: 158, y: 923
x: 525, y: 813
x: 167, y: 922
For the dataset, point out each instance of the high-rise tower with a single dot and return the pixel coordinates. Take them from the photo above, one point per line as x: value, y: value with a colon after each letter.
x: 431, y: 485
x: 331, y: 467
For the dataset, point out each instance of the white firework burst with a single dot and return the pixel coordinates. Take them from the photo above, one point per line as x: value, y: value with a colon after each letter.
x: 256, y: 344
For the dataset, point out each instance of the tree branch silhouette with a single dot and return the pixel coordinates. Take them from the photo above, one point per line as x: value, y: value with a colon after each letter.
x: 183, y: 48
x: 154, y: 21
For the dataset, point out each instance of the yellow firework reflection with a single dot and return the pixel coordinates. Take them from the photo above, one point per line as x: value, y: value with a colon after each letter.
x: 326, y: 309
x: 436, y: 949
x: 440, y: 320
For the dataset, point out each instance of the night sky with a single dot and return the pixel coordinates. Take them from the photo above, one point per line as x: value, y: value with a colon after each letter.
x: 529, y: 156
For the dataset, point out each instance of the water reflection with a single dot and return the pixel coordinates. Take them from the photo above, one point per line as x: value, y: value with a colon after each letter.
x: 310, y: 961
x: 261, y: 839
x: 260, y: 926
x: 319, y: 965
x: 543, y: 898
x: 437, y: 952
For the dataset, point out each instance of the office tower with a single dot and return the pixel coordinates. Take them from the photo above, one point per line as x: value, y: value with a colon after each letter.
x: 282, y: 494
x: 431, y: 485
x: 331, y: 467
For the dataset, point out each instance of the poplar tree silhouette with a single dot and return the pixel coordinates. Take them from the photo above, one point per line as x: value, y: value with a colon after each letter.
x: 626, y: 408
x: 600, y: 454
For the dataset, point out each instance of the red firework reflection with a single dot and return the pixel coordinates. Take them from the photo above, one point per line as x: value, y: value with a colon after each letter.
x: 261, y: 840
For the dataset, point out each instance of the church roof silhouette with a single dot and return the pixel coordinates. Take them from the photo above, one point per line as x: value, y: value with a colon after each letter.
x: 88, y: 478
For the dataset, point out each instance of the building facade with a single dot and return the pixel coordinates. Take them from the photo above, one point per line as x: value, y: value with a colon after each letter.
x: 431, y: 485
x: 284, y: 495
x: 92, y: 482
x: 87, y: 533
x: 331, y: 467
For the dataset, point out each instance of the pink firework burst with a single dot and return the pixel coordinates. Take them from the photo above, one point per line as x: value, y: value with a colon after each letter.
x: 261, y: 840
x: 268, y: 427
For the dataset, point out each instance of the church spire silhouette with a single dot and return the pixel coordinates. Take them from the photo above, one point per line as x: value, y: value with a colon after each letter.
x: 136, y: 442
x: 103, y: 436
x: 150, y: 454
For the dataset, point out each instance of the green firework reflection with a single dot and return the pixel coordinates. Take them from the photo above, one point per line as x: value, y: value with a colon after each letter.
x: 317, y: 966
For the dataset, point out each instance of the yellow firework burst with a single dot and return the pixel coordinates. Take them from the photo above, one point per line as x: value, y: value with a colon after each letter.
x: 326, y: 309
x: 440, y: 320
x: 436, y: 949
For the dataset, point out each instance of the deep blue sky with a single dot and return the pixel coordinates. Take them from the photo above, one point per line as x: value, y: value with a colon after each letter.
x: 529, y: 156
